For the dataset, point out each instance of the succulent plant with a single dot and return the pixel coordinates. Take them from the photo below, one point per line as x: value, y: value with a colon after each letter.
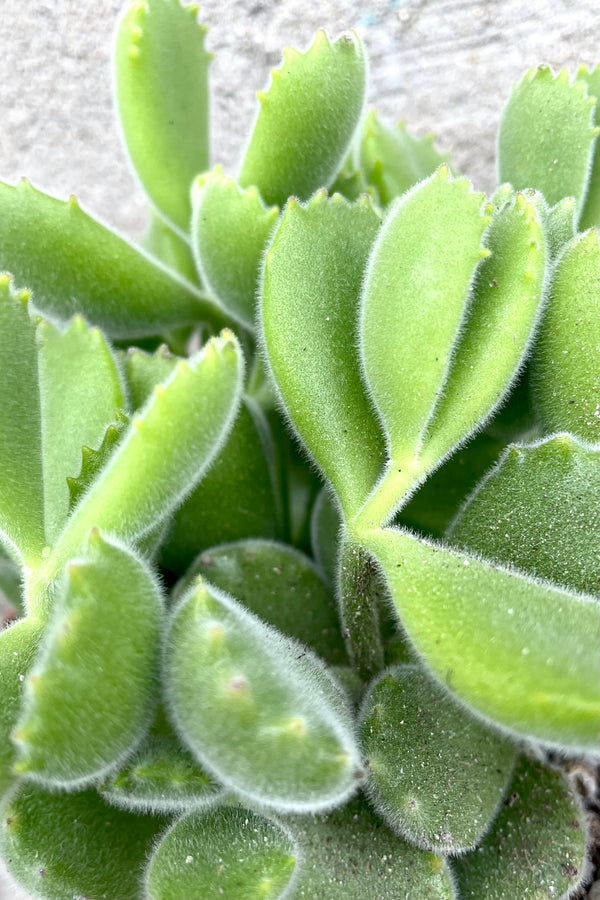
x: 299, y: 500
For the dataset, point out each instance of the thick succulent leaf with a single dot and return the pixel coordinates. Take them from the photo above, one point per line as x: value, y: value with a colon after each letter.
x: 18, y: 646
x: 517, y: 651
x: 282, y: 587
x: 161, y: 776
x: 567, y: 358
x: 414, y: 298
x: 165, y: 451
x: 590, y: 214
x: 325, y: 528
x: 306, y: 119
x: 312, y: 276
x: 73, y: 264
x: 536, y: 846
x: 21, y: 477
x: 80, y: 390
x: 532, y: 151
x: 350, y: 181
x: 174, y: 251
x: 537, y: 511
x: 11, y: 588
x: 58, y: 845
x: 161, y: 88
x: 436, y: 774
x: 91, y: 692
x: 143, y: 371
x: 232, y: 853
x: 393, y: 160
x: 94, y: 460
x: 351, y: 854
x: 257, y: 708
x: 237, y: 498
x: 230, y: 228
x: 431, y: 509
x: 495, y: 338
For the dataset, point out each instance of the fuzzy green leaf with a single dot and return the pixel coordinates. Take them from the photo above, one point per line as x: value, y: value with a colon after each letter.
x: 590, y: 214
x: 161, y: 87
x: 521, y: 653
x: 73, y: 264
x: 21, y: 477
x: 567, y: 358
x: 312, y: 278
x: 351, y: 855
x: 230, y: 228
x: 91, y: 692
x: 80, y: 390
x: 536, y: 846
x: 11, y: 588
x: 393, y: 160
x: 73, y: 845
x: 495, y: 338
x: 231, y: 853
x: 257, y: 709
x: 414, y: 298
x: 236, y: 499
x: 165, y: 451
x: 143, y: 371
x: 306, y: 119
x: 282, y: 587
x: 546, y: 136
x: 537, y: 511
x: 436, y: 774
x: 161, y: 776
x: 358, y: 587
x: 18, y: 646
x: 94, y: 460
x: 62, y: 390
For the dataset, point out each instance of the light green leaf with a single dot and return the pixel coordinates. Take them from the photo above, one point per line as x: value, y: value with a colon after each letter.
x: 358, y: 587
x: 306, y: 119
x: 73, y: 264
x: 143, y: 371
x: 18, y: 646
x: 566, y: 363
x: 161, y: 88
x: 519, y: 652
x: 91, y: 692
x: 230, y: 228
x: 590, y: 214
x: 281, y: 586
x: 170, y: 248
x: 161, y: 776
x: 165, y: 451
x: 414, y: 297
x: 496, y: 335
x: 256, y: 858
x: 393, y: 160
x: 536, y: 847
x: 258, y: 709
x: 537, y: 511
x: 235, y: 500
x: 21, y: 477
x: 80, y: 390
x: 62, y: 389
x: 436, y: 774
x: 73, y: 845
x: 11, y: 587
x: 546, y: 136
x: 94, y: 460
x: 312, y: 278
x: 351, y: 855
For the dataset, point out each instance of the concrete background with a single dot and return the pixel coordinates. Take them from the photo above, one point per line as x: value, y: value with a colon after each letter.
x: 443, y: 65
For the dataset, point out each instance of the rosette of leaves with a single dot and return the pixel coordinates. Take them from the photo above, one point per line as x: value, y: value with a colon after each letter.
x: 298, y: 502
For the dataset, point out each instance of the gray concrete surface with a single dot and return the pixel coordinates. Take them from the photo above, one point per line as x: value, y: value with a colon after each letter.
x: 443, y: 65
